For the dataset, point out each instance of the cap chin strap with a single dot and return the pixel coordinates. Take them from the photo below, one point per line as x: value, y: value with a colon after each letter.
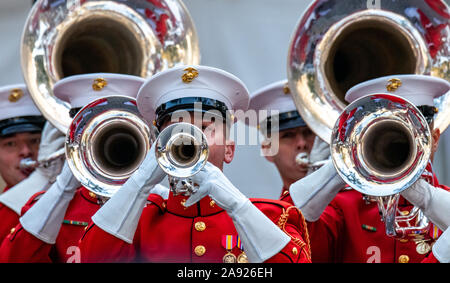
x: 201, y: 104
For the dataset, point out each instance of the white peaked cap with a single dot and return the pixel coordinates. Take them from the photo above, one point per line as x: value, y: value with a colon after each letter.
x: 79, y: 90
x: 418, y: 89
x: 273, y: 97
x: 191, y: 81
x: 15, y: 101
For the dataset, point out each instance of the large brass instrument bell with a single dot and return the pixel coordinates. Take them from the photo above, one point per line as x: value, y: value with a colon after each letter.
x: 380, y: 146
x: 337, y: 45
x: 107, y: 141
x: 135, y: 37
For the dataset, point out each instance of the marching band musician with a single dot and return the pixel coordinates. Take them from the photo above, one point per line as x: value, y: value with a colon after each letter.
x: 294, y: 135
x: 348, y: 223
x: 285, y: 139
x: 21, y: 124
x: 215, y: 223
x: 53, y: 221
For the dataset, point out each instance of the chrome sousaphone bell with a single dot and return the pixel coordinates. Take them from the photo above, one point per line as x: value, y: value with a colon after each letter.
x: 337, y: 45
x: 134, y: 37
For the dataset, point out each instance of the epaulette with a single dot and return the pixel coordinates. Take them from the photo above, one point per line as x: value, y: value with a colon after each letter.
x: 289, y: 213
x: 34, y: 198
x: 157, y: 200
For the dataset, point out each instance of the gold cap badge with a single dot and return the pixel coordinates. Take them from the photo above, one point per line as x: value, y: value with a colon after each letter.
x: 393, y: 84
x: 286, y: 89
x: 15, y: 94
x: 190, y: 75
x: 99, y: 84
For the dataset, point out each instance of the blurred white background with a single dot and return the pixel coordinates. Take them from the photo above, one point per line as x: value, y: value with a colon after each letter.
x: 248, y: 38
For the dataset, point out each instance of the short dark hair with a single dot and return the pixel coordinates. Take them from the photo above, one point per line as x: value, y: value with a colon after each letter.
x: 428, y: 112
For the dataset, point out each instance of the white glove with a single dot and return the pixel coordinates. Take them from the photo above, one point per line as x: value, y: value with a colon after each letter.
x: 313, y: 193
x: 434, y: 202
x: 41, y: 178
x: 16, y: 197
x: 119, y: 216
x: 319, y: 152
x: 260, y: 236
x: 441, y: 248
x: 45, y: 217
x: 52, y: 144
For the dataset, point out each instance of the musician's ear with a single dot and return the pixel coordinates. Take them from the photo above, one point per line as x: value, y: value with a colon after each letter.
x: 266, y: 150
x: 436, y: 135
x: 229, y: 151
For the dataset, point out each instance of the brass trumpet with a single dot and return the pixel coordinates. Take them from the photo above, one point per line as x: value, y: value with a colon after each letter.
x: 181, y: 151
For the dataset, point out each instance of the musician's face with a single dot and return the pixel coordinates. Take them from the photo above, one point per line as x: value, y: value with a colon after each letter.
x: 14, y: 148
x: 220, y: 148
x: 290, y: 143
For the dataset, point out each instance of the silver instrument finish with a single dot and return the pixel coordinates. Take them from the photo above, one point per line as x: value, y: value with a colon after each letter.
x: 303, y: 159
x: 337, y: 45
x: 29, y: 163
x: 380, y: 146
x: 135, y: 37
x: 107, y: 141
x: 181, y: 151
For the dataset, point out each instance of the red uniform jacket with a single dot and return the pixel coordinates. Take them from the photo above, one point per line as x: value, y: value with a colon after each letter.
x: 350, y: 230
x: 169, y: 232
x: 9, y: 219
x: 21, y: 246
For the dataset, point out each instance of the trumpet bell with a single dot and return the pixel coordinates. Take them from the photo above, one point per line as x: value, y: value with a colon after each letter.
x: 336, y: 46
x: 381, y: 144
x: 64, y: 38
x: 181, y: 150
x: 107, y: 141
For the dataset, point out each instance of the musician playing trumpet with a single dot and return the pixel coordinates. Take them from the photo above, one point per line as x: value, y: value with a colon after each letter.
x: 288, y: 141
x: 53, y: 221
x: 348, y: 222
x: 23, y: 135
x: 214, y: 222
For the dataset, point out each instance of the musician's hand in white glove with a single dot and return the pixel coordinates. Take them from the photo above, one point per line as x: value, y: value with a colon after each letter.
x: 313, y: 193
x: 441, y: 248
x: 52, y: 141
x: 119, y: 216
x: 434, y: 202
x: 319, y: 152
x: 260, y: 236
x: 45, y: 217
x: 52, y: 144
